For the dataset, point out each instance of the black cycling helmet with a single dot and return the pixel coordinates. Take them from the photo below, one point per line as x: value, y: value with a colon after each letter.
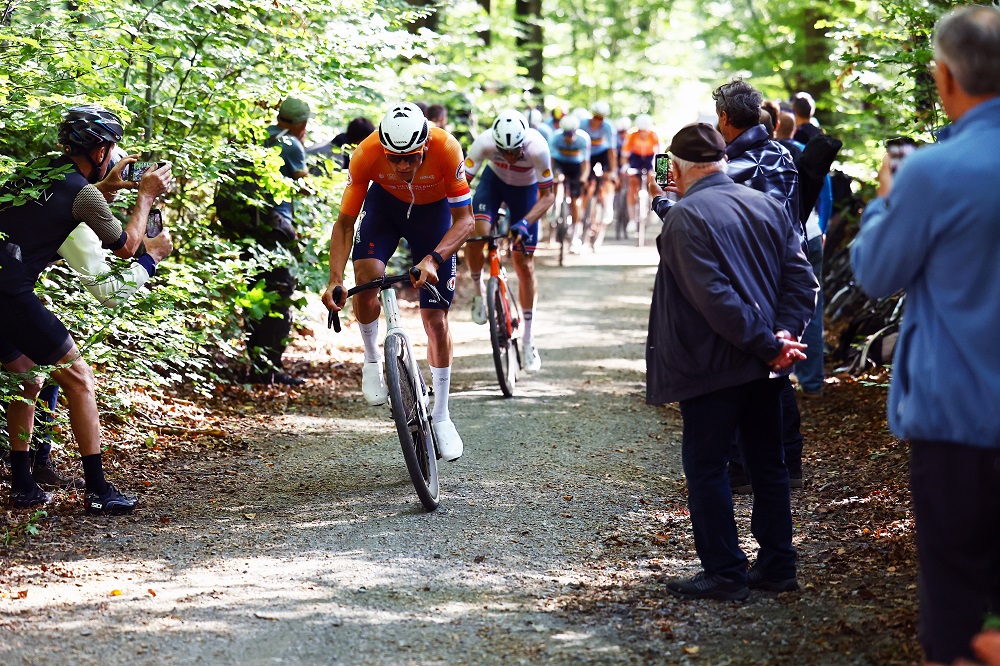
x: 89, y: 126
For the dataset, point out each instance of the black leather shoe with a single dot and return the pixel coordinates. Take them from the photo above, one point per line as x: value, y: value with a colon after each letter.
x: 47, y: 476
x: 26, y: 499
x: 704, y: 586
x: 110, y: 502
x: 757, y: 580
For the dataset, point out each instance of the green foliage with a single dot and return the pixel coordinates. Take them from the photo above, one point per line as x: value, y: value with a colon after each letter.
x: 19, y: 531
x: 197, y: 83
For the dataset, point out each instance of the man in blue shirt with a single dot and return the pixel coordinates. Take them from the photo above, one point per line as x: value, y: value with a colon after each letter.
x: 934, y: 231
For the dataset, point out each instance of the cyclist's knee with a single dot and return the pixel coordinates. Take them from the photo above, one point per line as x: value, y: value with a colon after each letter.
x: 77, y: 379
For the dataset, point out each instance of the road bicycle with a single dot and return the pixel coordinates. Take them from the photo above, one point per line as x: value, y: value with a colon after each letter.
x: 621, y: 211
x: 564, y: 218
x: 409, y: 396
x: 643, y: 205
x: 503, y: 313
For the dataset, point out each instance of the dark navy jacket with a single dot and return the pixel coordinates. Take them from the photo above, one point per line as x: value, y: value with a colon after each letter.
x: 731, y: 273
x: 766, y: 166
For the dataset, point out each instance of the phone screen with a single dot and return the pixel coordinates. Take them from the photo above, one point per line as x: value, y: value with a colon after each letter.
x: 661, y: 165
x: 154, y: 223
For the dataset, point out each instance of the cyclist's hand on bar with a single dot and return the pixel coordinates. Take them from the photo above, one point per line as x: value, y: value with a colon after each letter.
x: 428, y: 272
x: 328, y: 299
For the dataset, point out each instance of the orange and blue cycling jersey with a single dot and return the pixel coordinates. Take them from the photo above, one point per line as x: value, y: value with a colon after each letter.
x: 641, y: 142
x: 441, y: 175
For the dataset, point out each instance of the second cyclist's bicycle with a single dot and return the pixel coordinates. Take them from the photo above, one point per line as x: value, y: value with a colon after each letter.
x: 503, y: 314
x: 409, y: 397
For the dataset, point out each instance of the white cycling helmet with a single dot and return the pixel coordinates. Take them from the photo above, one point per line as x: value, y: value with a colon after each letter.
x: 623, y: 123
x: 644, y: 122
x: 534, y: 117
x: 404, y: 129
x: 569, y: 123
x: 509, y: 130
x: 581, y: 113
x: 602, y: 109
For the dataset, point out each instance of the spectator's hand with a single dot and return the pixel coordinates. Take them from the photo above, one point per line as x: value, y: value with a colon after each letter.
x: 885, y: 176
x: 156, y: 181
x: 328, y: 297
x: 790, y: 354
x: 113, y: 181
x: 428, y: 272
x: 160, y: 247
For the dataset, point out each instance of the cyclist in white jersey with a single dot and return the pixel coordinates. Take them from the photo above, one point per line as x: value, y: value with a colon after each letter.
x: 518, y: 174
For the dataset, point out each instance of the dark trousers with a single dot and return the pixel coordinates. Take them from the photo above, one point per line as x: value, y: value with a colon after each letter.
x: 791, y: 436
x: 710, y: 422
x: 956, y: 503
x: 267, y: 337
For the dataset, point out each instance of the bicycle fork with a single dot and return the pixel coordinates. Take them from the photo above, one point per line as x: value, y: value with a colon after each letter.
x: 511, y: 319
x: 391, y: 310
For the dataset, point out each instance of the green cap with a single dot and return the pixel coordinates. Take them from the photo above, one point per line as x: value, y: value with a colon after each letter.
x: 293, y: 110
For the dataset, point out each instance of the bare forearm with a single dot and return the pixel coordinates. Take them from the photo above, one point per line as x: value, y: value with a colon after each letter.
x: 340, y: 246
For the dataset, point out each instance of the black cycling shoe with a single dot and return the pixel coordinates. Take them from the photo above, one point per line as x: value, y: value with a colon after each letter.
x: 21, y: 499
x: 110, y: 502
x: 46, y: 475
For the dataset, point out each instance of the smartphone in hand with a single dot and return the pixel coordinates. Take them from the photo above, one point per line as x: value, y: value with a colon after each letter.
x: 661, y: 169
x: 154, y: 223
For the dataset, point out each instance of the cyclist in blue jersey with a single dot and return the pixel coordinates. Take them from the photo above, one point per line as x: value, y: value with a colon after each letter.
x: 570, y: 150
x: 602, y: 181
x: 31, y: 335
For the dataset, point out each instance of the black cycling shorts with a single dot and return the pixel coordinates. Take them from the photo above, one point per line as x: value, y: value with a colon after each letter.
x: 571, y: 170
x: 30, y: 329
x: 604, y: 159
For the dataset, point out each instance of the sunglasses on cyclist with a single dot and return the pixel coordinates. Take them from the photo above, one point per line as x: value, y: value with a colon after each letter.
x: 412, y: 158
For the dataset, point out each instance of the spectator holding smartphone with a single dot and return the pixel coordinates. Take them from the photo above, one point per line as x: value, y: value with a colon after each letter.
x: 933, y: 231
x: 31, y: 335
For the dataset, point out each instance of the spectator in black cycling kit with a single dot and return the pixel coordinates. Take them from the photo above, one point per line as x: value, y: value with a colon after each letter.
x: 31, y: 335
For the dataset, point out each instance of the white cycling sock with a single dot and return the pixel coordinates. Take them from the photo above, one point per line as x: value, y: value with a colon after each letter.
x: 477, y: 281
x: 369, y: 334
x: 441, y: 381
x: 526, y: 317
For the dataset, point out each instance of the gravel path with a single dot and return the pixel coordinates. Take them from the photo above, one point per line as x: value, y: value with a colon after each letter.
x: 312, y: 547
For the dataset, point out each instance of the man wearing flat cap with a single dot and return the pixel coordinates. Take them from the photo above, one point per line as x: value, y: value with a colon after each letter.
x: 733, y: 292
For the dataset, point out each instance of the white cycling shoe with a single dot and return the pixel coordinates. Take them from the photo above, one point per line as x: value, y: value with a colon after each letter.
x: 479, y: 315
x: 531, y: 362
x: 449, y: 441
x: 373, y: 384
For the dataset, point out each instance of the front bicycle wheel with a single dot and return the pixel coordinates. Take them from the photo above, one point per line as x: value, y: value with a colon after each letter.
x: 415, y: 436
x: 501, y: 335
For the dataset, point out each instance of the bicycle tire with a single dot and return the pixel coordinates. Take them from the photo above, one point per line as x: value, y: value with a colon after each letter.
x: 415, y: 434
x: 562, y: 231
x: 642, y: 215
x: 501, y: 337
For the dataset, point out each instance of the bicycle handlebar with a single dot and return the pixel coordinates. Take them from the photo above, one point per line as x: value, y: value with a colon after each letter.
x: 333, y: 318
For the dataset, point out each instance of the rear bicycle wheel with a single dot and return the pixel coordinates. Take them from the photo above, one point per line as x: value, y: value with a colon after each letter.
x: 415, y: 435
x: 562, y: 231
x: 501, y: 337
x: 642, y: 214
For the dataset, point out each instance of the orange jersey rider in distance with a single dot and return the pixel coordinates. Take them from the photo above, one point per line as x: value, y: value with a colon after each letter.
x: 440, y: 175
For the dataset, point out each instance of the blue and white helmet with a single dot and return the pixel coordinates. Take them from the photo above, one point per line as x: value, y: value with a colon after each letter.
x: 404, y: 129
x: 509, y: 130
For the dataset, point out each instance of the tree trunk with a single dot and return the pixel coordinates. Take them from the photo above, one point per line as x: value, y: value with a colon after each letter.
x: 485, y: 35
x: 529, y: 40
x: 430, y: 21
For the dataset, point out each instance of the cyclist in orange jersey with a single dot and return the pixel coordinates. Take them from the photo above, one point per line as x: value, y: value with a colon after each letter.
x: 410, y: 180
x: 641, y: 145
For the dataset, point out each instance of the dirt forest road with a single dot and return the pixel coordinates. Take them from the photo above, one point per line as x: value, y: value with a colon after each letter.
x: 313, y: 549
